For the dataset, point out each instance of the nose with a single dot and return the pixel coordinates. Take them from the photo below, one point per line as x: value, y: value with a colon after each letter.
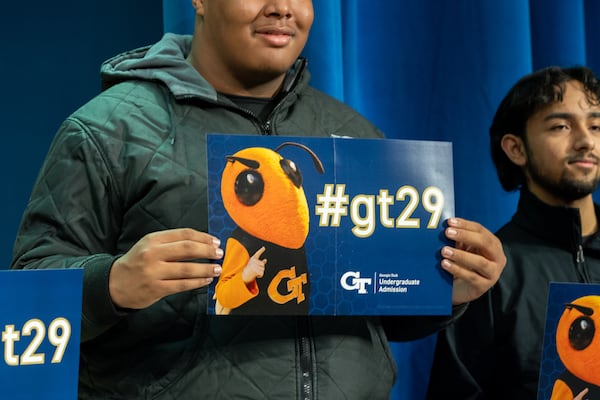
x: 278, y: 8
x: 585, y: 139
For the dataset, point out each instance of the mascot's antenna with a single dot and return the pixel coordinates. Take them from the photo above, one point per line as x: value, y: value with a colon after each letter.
x: 315, y: 158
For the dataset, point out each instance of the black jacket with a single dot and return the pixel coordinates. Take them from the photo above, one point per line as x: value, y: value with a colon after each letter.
x: 132, y: 161
x: 493, y: 351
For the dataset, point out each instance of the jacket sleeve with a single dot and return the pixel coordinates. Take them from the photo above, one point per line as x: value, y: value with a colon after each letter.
x: 464, y: 357
x: 71, y: 222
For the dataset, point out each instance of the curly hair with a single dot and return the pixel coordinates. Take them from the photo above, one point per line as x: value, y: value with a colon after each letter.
x: 529, y: 95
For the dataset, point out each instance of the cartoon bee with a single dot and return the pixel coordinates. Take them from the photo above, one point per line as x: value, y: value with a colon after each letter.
x: 578, y: 346
x: 265, y: 269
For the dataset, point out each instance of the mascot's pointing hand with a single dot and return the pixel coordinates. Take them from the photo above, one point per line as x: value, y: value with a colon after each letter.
x: 581, y: 395
x: 255, y: 268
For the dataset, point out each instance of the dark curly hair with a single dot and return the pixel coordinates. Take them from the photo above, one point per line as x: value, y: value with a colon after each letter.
x: 529, y: 95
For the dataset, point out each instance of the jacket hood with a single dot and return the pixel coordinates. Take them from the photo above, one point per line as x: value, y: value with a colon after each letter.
x: 165, y: 62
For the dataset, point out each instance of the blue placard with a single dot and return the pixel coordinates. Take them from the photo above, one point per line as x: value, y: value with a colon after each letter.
x: 374, y: 231
x: 572, y: 325
x: 40, y: 317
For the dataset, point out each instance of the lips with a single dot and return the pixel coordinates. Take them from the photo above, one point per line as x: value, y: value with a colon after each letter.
x: 275, y: 30
x: 584, y: 160
x: 275, y: 36
x: 584, y: 163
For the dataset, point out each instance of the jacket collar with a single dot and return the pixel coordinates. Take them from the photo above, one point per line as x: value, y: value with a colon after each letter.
x: 558, y: 225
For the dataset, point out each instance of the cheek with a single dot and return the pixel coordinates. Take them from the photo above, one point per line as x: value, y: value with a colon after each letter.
x: 305, y: 18
x: 546, y: 153
x: 303, y: 15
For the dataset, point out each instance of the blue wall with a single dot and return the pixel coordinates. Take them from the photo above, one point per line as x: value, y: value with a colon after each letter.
x: 49, y: 65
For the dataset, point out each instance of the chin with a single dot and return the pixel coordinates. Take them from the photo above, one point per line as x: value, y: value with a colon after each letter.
x: 276, y: 62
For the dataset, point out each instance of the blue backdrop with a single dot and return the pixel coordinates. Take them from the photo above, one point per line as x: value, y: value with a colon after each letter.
x: 49, y: 65
x: 418, y: 69
x: 437, y: 70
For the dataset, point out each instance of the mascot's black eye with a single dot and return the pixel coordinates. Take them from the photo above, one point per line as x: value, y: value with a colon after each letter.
x: 249, y: 187
x: 581, y: 333
x: 290, y: 169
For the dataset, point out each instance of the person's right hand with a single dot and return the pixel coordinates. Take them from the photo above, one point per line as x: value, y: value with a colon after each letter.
x: 158, y: 265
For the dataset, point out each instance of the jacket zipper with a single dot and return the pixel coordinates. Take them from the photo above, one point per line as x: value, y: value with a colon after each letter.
x: 580, y: 264
x: 580, y: 258
x: 306, y: 360
x: 267, y: 127
x: 264, y: 128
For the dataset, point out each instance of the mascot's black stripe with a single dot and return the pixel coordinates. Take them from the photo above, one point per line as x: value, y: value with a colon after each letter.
x: 577, y: 385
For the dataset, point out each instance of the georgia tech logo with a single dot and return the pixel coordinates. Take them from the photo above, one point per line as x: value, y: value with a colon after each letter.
x: 294, y: 286
x: 351, y: 280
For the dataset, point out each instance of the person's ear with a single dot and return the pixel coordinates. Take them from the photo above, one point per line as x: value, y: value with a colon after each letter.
x: 514, y: 148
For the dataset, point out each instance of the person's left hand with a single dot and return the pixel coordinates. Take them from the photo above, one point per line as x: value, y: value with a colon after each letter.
x: 476, y: 261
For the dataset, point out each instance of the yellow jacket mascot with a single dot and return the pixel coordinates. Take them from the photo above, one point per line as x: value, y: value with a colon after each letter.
x: 265, y: 269
x: 578, y: 346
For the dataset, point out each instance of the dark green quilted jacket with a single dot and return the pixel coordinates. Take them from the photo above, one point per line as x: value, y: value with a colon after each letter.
x: 132, y: 161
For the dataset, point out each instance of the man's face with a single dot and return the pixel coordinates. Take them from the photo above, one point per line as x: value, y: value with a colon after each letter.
x: 254, y: 40
x: 562, y: 148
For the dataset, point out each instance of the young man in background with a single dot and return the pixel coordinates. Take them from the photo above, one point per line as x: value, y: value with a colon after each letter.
x: 545, y: 142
